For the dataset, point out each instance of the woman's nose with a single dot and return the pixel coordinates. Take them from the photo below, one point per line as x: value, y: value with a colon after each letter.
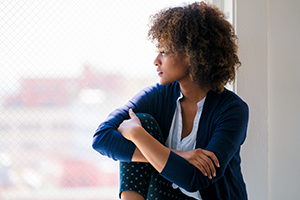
x: 156, y: 61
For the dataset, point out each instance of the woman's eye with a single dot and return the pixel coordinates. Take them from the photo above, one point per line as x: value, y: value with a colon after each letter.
x: 162, y: 52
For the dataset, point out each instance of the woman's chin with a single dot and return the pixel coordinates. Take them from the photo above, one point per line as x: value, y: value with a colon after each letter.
x: 162, y: 82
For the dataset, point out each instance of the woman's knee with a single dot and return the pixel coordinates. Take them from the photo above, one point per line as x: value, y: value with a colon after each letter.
x: 151, y: 126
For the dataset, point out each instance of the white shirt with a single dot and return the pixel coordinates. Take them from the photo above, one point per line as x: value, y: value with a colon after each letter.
x: 189, y: 142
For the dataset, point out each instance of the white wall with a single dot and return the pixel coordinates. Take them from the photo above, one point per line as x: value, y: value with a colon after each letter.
x: 269, y: 35
x: 284, y: 99
x: 252, y: 86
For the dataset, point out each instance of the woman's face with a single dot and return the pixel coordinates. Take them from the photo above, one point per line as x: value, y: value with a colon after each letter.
x: 171, y: 67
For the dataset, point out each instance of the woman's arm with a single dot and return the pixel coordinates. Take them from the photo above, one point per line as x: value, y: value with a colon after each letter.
x: 153, y: 151
x: 225, y: 141
x: 108, y: 141
x: 204, y: 160
x: 150, y: 150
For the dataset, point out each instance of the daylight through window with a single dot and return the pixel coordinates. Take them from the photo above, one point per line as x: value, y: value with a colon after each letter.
x: 64, y: 66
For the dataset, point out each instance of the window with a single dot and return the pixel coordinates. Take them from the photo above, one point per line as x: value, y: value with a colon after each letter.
x: 64, y: 66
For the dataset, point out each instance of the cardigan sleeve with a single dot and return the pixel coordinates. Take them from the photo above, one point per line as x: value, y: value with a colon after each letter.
x: 110, y: 142
x: 229, y: 132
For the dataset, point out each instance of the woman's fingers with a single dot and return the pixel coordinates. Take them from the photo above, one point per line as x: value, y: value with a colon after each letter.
x: 200, y: 167
x: 203, y: 160
x: 212, y: 156
x: 208, y: 165
x: 207, y: 159
x: 131, y: 113
x: 134, y: 118
x: 204, y: 167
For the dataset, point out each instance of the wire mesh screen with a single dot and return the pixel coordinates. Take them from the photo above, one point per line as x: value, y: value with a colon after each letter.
x: 64, y: 66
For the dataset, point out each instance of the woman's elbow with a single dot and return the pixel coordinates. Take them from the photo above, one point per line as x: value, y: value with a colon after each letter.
x: 96, y: 144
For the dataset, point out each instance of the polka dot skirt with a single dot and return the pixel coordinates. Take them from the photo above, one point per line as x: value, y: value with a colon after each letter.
x: 142, y: 177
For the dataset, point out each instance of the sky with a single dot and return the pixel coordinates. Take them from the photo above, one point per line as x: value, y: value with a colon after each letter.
x: 53, y: 38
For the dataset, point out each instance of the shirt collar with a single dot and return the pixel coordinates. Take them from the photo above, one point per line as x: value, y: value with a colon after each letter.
x: 199, y: 104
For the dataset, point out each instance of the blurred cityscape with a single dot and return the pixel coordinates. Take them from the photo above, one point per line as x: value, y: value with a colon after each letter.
x: 46, y: 129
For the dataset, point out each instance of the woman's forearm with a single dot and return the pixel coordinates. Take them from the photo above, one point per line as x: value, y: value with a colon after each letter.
x: 148, y: 149
x: 201, y: 159
x: 152, y: 150
x: 138, y: 156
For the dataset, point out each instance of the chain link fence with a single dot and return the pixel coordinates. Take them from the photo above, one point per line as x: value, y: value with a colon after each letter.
x: 64, y: 65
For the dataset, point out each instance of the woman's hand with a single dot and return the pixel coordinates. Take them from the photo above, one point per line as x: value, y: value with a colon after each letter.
x: 129, y: 127
x: 204, y: 160
x: 152, y: 150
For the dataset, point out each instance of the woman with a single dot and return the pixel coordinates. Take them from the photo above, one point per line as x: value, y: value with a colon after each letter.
x: 187, y: 144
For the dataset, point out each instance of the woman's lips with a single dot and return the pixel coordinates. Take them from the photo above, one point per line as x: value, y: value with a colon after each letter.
x: 159, y: 73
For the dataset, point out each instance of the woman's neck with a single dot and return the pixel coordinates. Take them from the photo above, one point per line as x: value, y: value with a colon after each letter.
x: 192, y: 92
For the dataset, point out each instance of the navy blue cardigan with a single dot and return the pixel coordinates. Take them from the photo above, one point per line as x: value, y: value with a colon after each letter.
x: 222, y: 130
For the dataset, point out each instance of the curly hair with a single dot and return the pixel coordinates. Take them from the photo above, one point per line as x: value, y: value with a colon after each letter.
x: 201, y: 32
